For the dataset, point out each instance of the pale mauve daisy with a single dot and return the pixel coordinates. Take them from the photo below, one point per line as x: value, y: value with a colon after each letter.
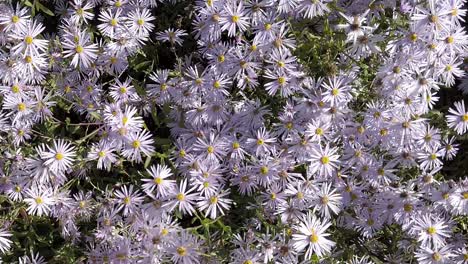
x: 40, y: 200
x: 60, y: 157
x: 458, y: 118
x: 310, y: 233
x: 323, y: 161
x: 159, y: 181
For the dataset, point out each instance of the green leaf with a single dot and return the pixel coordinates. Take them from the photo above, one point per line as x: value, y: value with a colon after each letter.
x: 142, y: 65
x: 44, y: 9
x: 95, y: 115
x: 28, y: 3
x: 147, y: 161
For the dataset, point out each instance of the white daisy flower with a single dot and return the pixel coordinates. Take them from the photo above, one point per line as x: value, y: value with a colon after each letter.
x: 40, y: 200
x: 458, y: 118
x: 431, y: 231
x: 215, y: 205
x: 5, y: 243
x: 324, y: 161
x: 159, y: 181
x: 310, y: 233
x: 138, y: 143
x: 60, y: 157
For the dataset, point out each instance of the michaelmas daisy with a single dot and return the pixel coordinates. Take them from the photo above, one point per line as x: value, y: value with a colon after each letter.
x: 458, y: 118
x: 60, y: 157
x: 310, y: 233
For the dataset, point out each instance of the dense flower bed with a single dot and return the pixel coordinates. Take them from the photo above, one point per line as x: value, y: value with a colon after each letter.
x: 232, y: 131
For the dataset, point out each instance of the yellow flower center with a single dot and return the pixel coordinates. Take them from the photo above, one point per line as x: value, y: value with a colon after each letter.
x: 335, y: 92
x: 59, y: 156
x: 408, y: 207
x: 210, y: 149
x: 181, y: 251
x: 28, y: 40
x: 281, y: 80
x: 124, y: 120
x: 180, y: 197
x: 235, y: 145
x: 465, y: 118
x: 123, y: 90
x: 216, y: 84
x: 433, y: 156
x: 299, y: 195
x: 235, y: 19
x: 319, y: 131
x: 118, y: 4
x: 264, y: 170
x: 449, y: 39
x: 21, y: 107
x: 28, y: 59
x: 325, y: 160
x: 314, y: 238
x: 15, y: 89
x: 182, y: 153
x: 39, y: 200
x: 113, y: 22
x: 126, y: 200
x: 79, y: 49
x: 214, y: 200
x: 15, y: 19
x: 243, y: 64
x: 431, y: 230
x: 324, y: 200
x: 260, y: 142
x: 221, y: 58
x: 381, y: 172
x: 361, y: 129
x: 436, y: 256
x: 383, y: 132
x: 136, y: 144
x: 140, y: 22
x: 158, y: 180
x: 101, y: 154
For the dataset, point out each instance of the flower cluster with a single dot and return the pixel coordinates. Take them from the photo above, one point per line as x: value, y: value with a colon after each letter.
x: 291, y: 155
